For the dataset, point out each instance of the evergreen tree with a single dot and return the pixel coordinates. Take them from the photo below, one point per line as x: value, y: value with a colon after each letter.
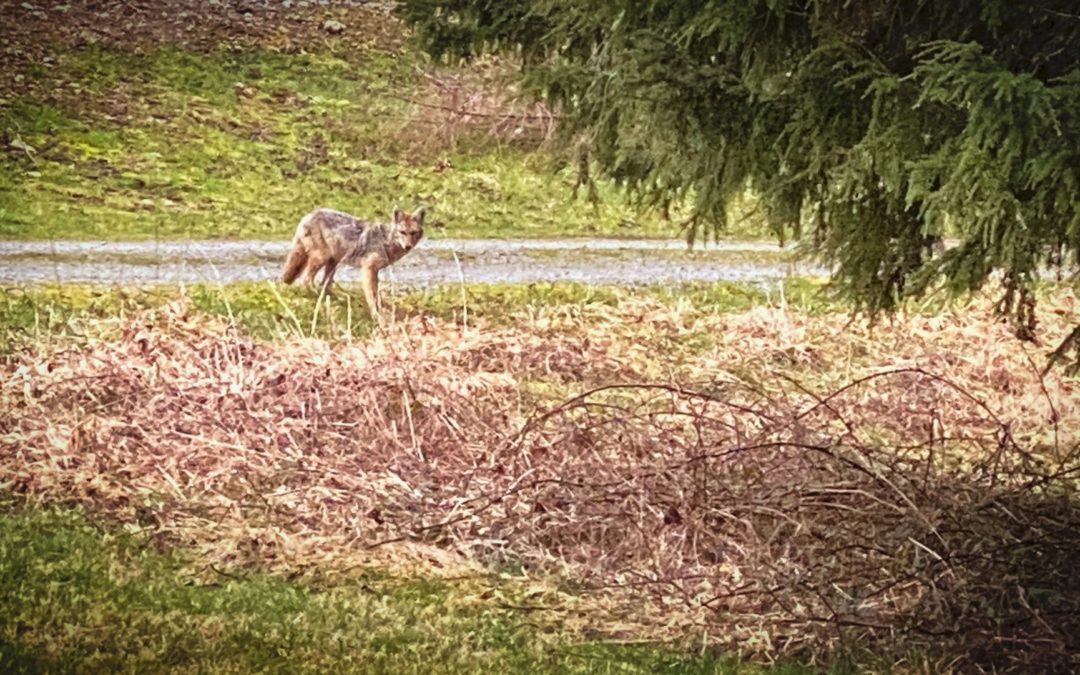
x: 876, y: 126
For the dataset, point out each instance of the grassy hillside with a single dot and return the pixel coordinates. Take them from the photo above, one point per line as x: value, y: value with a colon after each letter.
x: 188, y: 119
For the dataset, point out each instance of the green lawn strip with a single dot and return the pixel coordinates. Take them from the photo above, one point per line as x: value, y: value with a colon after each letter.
x: 78, y: 597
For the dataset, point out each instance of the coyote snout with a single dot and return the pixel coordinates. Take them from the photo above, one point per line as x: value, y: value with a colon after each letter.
x: 326, y: 238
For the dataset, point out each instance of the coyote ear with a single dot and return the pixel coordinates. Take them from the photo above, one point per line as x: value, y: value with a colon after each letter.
x: 418, y: 215
x: 399, y: 215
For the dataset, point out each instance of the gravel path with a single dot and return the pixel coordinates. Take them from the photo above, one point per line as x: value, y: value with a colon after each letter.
x: 436, y: 261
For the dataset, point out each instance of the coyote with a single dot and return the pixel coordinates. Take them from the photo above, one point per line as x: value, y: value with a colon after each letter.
x: 326, y: 238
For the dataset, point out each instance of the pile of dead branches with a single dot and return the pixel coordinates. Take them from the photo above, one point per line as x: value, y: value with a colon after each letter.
x: 907, y: 511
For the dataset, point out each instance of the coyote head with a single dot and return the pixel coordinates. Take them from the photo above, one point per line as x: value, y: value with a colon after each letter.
x: 408, y: 227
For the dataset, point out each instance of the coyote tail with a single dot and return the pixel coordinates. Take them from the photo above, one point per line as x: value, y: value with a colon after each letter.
x: 294, y: 262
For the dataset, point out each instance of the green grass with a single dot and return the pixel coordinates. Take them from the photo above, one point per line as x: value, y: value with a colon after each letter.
x: 268, y: 310
x: 78, y: 597
x: 241, y: 143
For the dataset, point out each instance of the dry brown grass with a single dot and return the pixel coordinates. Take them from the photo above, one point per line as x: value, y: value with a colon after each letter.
x: 801, y: 485
x: 453, y: 110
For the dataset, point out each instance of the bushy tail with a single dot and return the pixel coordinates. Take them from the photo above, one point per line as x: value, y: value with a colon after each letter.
x: 294, y: 262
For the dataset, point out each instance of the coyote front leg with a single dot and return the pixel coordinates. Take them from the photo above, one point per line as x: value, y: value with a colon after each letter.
x: 370, y: 280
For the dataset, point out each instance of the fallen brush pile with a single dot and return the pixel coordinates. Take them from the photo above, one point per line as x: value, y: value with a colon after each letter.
x: 918, y: 497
